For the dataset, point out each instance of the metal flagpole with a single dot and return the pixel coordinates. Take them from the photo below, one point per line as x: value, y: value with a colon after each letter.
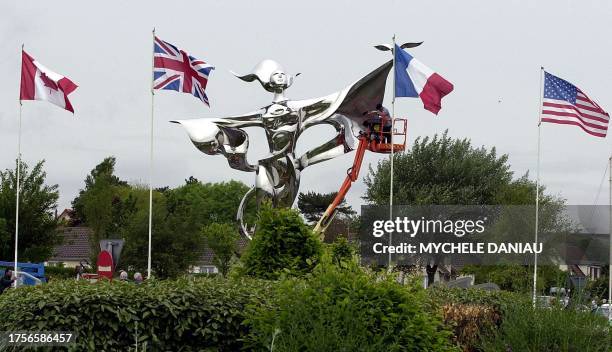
x: 537, y: 204
x: 17, y: 193
x: 18, y: 187
x: 151, y: 158
x: 392, y: 126
x: 610, y: 263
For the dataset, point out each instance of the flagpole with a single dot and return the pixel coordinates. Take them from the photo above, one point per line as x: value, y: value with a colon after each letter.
x: 18, y: 186
x: 151, y: 158
x: 610, y: 254
x: 537, y: 204
x: 391, y: 176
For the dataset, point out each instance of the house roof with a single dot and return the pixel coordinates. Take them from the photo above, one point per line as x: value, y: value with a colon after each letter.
x: 75, y: 244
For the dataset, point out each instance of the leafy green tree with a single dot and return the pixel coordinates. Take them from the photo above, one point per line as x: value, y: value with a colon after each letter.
x: 177, y: 242
x: 104, y: 173
x: 209, y: 202
x: 37, y: 224
x: 282, y: 243
x: 222, y: 239
x: 178, y: 218
x: 100, y: 205
x: 447, y: 171
x: 312, y: 205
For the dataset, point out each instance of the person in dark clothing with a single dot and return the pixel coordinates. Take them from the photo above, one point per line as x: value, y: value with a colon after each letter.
x: 6, y: 281
x: 379, y: 119
x: 373, y: 125
x: 386, y: 122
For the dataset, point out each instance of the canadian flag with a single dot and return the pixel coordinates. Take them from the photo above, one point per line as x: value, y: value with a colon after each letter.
x: 40, y: 83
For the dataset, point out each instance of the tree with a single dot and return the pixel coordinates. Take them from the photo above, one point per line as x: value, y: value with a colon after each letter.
x: 447, y: 171
x: 312, y: 205
x: 177, y: 242
x: 103, y: 173
x: 37, y: 224
x: 282, y: 243
x: 222, y: 239
x: 100, y: 205
x: 179, y: 215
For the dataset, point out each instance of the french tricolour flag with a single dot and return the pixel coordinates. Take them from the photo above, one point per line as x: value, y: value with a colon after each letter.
x: 414, y: 79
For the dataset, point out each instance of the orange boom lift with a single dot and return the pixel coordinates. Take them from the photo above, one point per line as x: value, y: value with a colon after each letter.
x: 365, y: 143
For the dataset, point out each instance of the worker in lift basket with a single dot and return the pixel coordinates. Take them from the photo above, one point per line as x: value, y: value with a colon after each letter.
x: 379, y: 118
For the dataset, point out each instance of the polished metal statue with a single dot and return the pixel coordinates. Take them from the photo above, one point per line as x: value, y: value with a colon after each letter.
x: 284, y: 120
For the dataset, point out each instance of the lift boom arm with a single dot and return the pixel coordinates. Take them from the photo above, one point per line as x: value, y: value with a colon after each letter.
x: 352, y: 174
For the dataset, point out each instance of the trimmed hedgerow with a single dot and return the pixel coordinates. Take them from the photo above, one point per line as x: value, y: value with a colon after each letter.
x: 181, y: 315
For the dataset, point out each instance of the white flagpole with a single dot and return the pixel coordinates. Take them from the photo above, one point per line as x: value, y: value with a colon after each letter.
x: 18, y: 187
x: 537, y: 204
x: 392, y: 126
x: 151, y: 159
x: 610, y: 259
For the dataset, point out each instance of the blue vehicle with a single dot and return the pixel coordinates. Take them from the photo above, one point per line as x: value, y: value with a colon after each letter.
x: 31, y: 274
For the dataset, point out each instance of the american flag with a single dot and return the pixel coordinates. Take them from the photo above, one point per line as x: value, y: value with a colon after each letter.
x: 174, y: 69
x: 566, y: 104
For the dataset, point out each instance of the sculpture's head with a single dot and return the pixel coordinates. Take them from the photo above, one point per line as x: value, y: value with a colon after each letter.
x: 270, y: 74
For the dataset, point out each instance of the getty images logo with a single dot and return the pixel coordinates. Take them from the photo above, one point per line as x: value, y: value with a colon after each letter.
x: 412, y: 228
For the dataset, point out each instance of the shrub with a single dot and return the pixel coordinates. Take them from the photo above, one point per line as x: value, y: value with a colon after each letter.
x: 473, y: 313
x: 342, y: 250
x: 282, y: 243
x: 59, y: 273
x: 499, y: 301
x: 524, y: 328
x: 345, y: 309
x: 470, y: 322
x: 517, y: 278
x: 181, y: 315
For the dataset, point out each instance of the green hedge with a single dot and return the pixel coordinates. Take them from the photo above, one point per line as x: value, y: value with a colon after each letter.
x: 182, y: 315
x: 348, y: 309
x: 59, y: 273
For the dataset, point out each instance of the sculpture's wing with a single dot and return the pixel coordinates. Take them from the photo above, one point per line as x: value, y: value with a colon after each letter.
x: 344, y: 110
x: 351, y: 102
x: 194, y: 127
x: 224, y: 136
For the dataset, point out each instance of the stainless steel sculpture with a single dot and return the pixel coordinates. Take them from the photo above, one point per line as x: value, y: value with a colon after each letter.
x: 284, y: 120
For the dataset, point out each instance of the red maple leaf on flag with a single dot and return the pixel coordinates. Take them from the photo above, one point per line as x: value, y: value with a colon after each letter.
x: 48, y: 82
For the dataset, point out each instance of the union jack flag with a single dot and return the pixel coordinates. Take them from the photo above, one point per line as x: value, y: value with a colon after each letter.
x: 174, y: 69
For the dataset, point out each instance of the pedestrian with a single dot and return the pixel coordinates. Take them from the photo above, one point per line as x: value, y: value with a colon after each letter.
x: 6, y: 281
x: 138, y: 278
x: 123, y: 275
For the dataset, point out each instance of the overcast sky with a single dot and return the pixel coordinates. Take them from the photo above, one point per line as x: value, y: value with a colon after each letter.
x: 490, y: 50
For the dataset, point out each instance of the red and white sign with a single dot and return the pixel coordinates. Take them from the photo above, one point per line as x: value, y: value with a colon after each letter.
x: 105, y: 265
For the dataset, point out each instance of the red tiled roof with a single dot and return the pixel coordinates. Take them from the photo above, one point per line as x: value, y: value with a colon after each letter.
x: 75, y: 245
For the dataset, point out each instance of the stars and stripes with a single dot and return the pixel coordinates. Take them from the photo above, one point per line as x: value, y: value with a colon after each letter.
x: 174, y: 69
x: 564, y: 103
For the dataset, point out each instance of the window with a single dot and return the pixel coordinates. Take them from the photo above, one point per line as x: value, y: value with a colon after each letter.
x: 594, y: 272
